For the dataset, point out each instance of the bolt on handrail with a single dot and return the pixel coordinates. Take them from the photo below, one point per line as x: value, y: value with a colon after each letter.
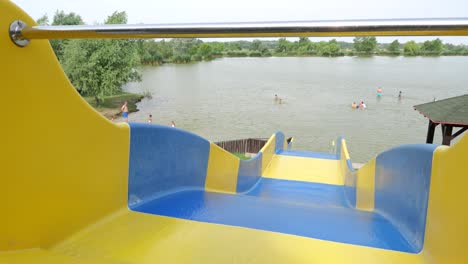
x: 20, y: 32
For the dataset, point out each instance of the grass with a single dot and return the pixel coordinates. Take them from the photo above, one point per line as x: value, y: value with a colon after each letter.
x: 241, y: 156
x: 110, y: 105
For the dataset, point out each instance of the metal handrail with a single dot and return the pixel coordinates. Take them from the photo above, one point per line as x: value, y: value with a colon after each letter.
x: 19, y: 31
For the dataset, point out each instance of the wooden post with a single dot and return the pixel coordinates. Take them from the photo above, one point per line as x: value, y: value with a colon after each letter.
x: 430, y: 132
x: 446, y: 134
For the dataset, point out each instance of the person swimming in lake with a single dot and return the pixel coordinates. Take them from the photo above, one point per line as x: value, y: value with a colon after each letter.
x: 354, y: 105
x: 150, y: 118
x: 399, y: 95
x: 362, y: 105
x: 124, y: 110
x: 379, y: 92
x: 276, y: 97
x: 172, y: 124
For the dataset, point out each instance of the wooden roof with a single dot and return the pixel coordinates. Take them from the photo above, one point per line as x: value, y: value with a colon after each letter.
x: 453, y: 111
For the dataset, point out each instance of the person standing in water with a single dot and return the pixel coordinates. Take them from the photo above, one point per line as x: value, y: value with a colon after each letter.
x: 150, y: 118
x: 399, y: 95
x: 172, y: 124
x: 362, y: 105
x: 379, y: 92
x: 124, y: 110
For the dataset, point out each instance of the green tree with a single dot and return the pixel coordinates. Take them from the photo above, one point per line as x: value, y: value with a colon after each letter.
x: 432, y: 47
x: 365, y: 45
x: 149, y: 53
x: 61, y: 18
x: 100, y: 67
x: 218, y: 48
x: 305, y: 46
x: 284, y: 46
x: 183, y: 46
x: 43, y: 20
x: 165, y: 48
x: 411, y: 48
x: 256, y: 45
x: 205, y: 51
x: 232, y: 46
x: 334, y: 47
x: 394, y: 47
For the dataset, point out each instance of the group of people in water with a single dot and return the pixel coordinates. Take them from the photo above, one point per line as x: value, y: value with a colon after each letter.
x: 124, y: 110
x: 379, y: 94
x: 361, y: 105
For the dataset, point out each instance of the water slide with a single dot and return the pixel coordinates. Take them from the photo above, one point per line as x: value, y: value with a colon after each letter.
x: 77, y: 188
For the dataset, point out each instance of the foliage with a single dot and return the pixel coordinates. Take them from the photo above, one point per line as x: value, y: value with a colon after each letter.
x: 450, y: 49
x: 365, y: 45
x: 116, y: 101
x: 43, y: 20
x: 394, y: 48
x: 411, y: 48
x: 62, y: 18
x: 284, y: 46
x: 432, y: 47
x: 99, y: 68
x: 205, y: 51
x: 241, y: 156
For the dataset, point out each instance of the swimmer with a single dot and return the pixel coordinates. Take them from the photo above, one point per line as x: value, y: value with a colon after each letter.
x: 276, y: 97
x: 399, y: 95
x: 172, y: 124
x: 280, y: 101
x: 362, y: 105
x: 379, y: 92
x: 354, y: 105
x: 150, y: 118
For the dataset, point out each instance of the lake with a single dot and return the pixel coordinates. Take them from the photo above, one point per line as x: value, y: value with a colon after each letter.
x: 233, y: 98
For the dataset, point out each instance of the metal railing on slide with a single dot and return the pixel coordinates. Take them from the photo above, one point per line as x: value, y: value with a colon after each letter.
x: 21, y: 33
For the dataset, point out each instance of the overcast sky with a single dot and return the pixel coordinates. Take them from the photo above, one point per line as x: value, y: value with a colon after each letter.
x: 186, y: 11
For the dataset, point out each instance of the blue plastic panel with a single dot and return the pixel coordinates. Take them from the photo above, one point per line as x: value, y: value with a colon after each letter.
x: 279, y: 141
x: 402, y: 178
x: 350, y: 184
x: 298, y: 208
x: 249, y: 173
x: 164, y: 159
x: 307, y: 154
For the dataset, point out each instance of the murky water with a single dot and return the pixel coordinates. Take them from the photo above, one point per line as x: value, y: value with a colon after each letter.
x: 233, y: 98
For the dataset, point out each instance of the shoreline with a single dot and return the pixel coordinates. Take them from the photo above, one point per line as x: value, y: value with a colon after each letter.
x: 110, y: 106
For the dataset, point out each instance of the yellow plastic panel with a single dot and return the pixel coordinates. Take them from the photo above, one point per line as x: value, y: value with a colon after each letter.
x: 132, y: 237
x: 304, y: 169
x: 223, y: 168
x: 267, y: 152
x: 63, y: 165
x: 365, y: 186
x: 446, y: 239
x: 344, y: 157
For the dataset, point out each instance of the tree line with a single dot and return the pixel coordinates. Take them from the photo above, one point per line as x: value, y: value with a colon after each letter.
x: 100, y: 68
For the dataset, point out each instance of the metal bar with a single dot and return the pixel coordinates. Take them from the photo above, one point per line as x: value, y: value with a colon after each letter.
x: 335, y: 28
x: 459, y: 132
x: 430, y: 132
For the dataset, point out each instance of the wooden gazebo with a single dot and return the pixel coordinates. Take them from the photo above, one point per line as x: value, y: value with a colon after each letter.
x: 449, y: 113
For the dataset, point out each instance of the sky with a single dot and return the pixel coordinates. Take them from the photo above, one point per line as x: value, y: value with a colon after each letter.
x: 186, y: 11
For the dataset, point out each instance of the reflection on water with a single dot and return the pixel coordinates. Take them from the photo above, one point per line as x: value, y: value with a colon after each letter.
x: 233, y: 98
